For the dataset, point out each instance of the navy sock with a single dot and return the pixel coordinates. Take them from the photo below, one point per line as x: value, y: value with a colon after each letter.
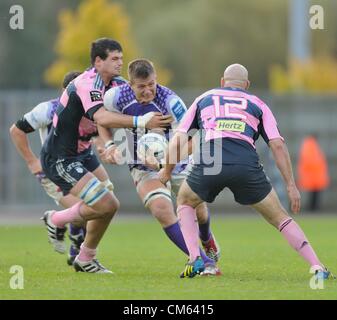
x: 204, y: 230
x: 73, y: 230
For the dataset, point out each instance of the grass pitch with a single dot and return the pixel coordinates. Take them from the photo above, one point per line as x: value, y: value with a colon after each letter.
x: 256, y: 262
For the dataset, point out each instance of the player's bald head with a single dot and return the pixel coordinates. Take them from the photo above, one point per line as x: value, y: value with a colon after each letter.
x: 236, y: 75
x: 236, y: 72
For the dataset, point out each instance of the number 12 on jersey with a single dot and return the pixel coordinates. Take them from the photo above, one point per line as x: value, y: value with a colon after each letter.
x: 226, y: 110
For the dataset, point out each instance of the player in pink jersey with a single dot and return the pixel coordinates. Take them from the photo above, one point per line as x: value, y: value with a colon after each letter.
x: 230, y: 121
x: 68, y: 160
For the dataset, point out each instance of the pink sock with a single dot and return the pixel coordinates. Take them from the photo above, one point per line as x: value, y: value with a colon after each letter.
x: 86, y: 254
x: 190, y: 229
x: 72, y: 214
x: 297, y: 239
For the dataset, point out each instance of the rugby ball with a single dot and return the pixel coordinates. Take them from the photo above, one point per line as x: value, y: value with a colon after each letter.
x: 152, y: 144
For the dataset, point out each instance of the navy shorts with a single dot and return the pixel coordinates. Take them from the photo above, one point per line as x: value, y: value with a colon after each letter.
x: 66, y: 172
x: 249, y: 184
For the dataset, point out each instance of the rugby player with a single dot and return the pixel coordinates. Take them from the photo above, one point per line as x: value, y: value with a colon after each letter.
x: 231, y: 120
x: 70, y: 162
x: 40, y: 118
x: 143, y: 95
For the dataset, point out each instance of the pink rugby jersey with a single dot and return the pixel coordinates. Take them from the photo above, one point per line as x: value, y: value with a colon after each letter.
x: 233, y: 116
x: 73, y: 125
x: 231, y: 113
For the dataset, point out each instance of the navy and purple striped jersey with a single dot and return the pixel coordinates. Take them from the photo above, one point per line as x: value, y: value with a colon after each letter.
x: 166, y: 101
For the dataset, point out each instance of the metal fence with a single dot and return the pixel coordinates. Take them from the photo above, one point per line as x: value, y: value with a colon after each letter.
x: 297, y: 116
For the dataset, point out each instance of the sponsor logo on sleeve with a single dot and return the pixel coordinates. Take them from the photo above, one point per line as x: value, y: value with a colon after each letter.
x: 178, y: 109
x: 96, y: 96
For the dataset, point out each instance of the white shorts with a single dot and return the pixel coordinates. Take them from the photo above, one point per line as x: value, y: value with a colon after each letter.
x: 140, y: 176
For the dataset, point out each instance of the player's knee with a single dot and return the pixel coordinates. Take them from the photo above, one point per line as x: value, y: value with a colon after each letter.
x: 160, y: 193
x: 185, y: 199
x: 162, y: 210
x: 108, y: 206
x: 109, y: 185
x: 95, y: 194
x: 202, y: 213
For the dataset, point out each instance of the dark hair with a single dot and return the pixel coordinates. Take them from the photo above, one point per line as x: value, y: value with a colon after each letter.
x: 101, y: 48
x: 140, y: 68
x: 70, y: 76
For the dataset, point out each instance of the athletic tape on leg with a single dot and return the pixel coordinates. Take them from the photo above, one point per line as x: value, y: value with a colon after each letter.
x: 109, y: 185
x: 155, y: 194
x: 93, y: 191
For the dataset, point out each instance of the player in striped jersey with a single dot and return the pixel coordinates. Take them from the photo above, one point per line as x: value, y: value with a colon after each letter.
x: 40, y: 118
x: 230, y: 120
x: 68, y: 160
x: 141, y: 96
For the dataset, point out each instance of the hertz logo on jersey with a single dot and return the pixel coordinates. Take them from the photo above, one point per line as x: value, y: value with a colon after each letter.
x: 230, y: 125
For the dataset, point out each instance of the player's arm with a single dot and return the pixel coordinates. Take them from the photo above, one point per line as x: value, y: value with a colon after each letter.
x: 111, y: 119
x: 105, y: 135
x: 283, y: 162
x: 179, y: 146
x: 272, y: 137
x: 178, y: 109
x: 37, y: 118
x: 18, y: 133
x: 150, y: 120
x: 108, y: 151
x: 178, y: 149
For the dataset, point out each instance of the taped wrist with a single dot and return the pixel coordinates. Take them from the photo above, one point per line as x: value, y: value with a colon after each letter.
x: 108, y: 144
x: 141, y: 121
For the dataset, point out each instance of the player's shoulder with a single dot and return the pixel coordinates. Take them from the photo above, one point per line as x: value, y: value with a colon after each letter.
x: 89, y: 80
x: 118, y: 97
x: 42, y: 114
x: 88, y: 74
x: 164, y: 95
x: 46, y: 107
x: 261, y: 104
x: 167, y: 99
x: 118, y: 81
x: 52, y: 106
x: 163, y: 91
x: 205, y: 98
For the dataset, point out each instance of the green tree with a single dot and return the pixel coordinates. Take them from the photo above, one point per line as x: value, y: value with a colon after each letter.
x: 25, y: 54
x: 196, y: 39
x: 92, y: 19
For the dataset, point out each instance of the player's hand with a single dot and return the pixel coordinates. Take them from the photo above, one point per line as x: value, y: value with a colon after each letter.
x: 150, y: 161
x: 34, y: 166
x: 294, y: 198
x: 111, y: 155
x: 158, y: 120
x: 51, y: 188
x: 164, y: 176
